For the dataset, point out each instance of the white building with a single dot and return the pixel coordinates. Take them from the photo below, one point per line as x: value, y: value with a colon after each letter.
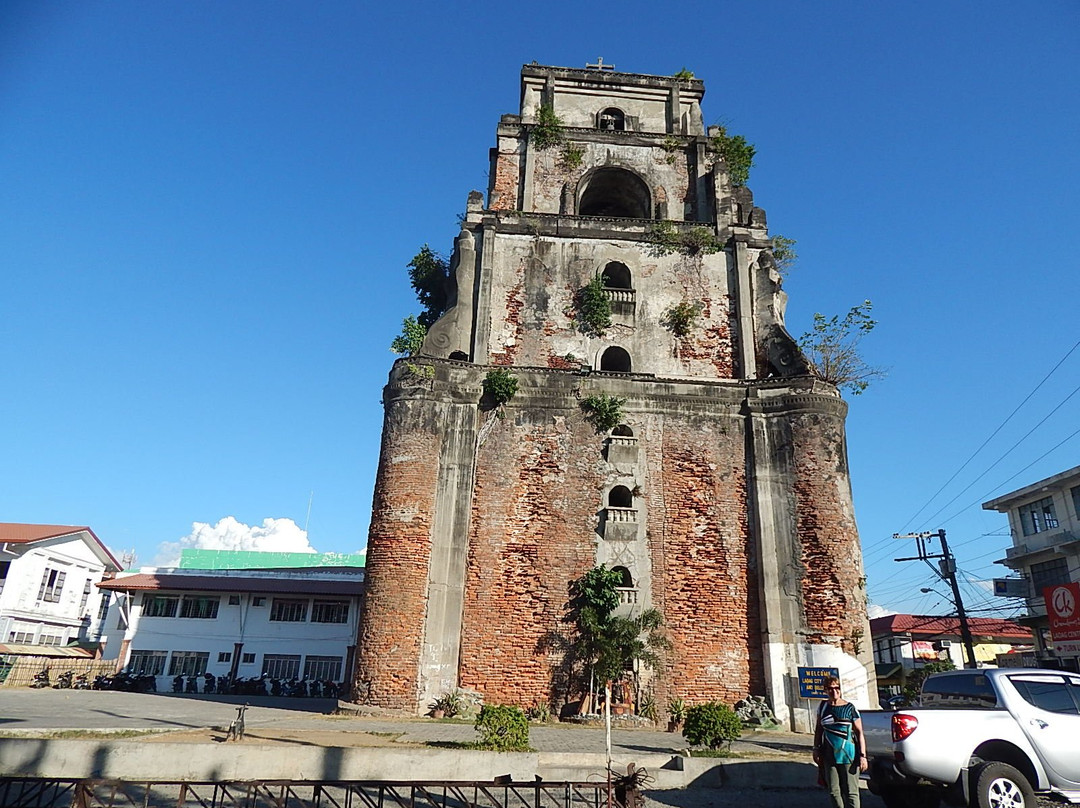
x: 286, y: 623
x: 48, y: 577
x: 1044, y: 519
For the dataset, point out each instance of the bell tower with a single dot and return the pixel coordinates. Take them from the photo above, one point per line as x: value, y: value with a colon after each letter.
x: 618, y: 261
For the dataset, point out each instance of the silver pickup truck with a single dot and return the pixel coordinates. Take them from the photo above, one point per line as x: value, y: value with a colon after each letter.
x: 988, y: 738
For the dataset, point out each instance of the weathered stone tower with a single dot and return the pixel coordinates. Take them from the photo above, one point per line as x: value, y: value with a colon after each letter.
x: 724, y: 495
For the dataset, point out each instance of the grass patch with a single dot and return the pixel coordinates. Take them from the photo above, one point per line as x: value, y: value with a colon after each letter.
x: 711, y: 753
x: 85, y: 734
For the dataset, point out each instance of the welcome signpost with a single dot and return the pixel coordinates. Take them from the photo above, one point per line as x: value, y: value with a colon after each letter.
x: 1063, y: 611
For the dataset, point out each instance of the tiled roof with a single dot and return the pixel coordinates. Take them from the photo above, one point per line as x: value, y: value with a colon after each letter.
x: 931, y: 626
x: 22, y: 649
x: 235, y: 583
x: 15, y: 533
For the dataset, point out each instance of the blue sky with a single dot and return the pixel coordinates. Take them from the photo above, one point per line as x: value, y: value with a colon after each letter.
x: 206, y: 210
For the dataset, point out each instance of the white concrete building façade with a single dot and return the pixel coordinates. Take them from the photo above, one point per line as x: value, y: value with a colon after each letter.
x: 1044, y: 519
x: 48, y: 577
x: 285, y: 623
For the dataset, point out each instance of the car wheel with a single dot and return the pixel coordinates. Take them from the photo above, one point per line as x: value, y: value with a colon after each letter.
x: 999, y: 785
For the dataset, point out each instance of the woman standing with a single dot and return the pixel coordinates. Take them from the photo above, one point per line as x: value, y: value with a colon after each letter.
x: 839, y: 746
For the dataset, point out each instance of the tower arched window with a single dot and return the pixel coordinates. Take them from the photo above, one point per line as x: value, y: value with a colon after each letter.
x: 615, y: 192
x: 617, y: 276
x: 615, y: 360
x: 627, y: 579
x: 611, y: 119
x: 623, y: 431
x: 620, y: 497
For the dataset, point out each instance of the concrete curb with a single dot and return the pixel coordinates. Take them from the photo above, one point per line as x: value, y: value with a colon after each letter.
x: 132, y: 760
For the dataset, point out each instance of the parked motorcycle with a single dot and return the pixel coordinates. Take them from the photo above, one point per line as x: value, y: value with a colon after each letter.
x: 178, y: 684
x: 64, y: 680
x: 192, y: 685
x: 209, y: 683
x: 41, y: 679
x: 82, y: 682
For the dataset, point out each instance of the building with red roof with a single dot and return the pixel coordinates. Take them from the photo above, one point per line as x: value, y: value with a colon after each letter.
x: 48, y: 593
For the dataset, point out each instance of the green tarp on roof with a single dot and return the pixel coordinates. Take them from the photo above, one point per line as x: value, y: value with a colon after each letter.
x: 255, y: 560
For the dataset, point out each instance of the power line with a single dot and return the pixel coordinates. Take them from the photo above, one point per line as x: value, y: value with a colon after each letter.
x: 991, y: 437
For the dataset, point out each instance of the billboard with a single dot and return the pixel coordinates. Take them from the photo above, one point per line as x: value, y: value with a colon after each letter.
x: 1063, y: 611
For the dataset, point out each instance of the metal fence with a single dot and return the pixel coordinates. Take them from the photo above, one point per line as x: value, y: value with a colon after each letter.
x: 622, y: 792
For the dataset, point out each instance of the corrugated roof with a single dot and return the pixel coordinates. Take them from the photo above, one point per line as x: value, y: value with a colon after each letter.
x: 15, y: 533
x: 22, y: 649
x: 235, y: 583
x: 932, y: 626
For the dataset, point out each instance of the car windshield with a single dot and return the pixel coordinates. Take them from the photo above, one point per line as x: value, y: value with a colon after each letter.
x: 959, y: 691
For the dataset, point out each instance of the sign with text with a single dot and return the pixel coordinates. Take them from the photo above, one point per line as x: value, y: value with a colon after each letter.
x: 812, y: 682
x: 1063, y: 611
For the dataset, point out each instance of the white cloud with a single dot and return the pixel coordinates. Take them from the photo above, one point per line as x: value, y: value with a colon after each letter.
x: 274, y: 535
x: 873, y: 610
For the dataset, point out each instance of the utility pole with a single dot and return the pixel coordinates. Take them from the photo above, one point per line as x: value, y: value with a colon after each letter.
x: 946, y: 570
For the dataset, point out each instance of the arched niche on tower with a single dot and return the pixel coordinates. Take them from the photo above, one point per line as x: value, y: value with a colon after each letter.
x: 615, y: 360
x: 614, y: 192
x: 616, y: 275
x: 611, y: 119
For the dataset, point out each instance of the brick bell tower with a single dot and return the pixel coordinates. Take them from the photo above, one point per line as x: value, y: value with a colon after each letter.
x: 723, y: 495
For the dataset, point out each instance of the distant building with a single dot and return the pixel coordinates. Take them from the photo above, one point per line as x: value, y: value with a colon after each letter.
x: 904, y: 642
x: 1044, y: 519
x: 48, y: 592
x: 286, y: 623
x: 260, y: 559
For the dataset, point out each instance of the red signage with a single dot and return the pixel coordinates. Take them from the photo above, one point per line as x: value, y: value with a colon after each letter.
x: 1063, y: 610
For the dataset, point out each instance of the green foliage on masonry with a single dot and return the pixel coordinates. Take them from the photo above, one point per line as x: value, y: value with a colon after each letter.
x: 665, y: 239
x: 429, y: 273
x: 604, y: 412
x: 783, y: 253
x: 679, y: 318
x: 832, y: 349
x: 713, y: 725
x: 572, y: 156
x: 503, y: 728
x: 736, y: 153
x: 672, y: 145
x: 449, y: 702
x: 411, y: 338
x: 593, y: 307
x: 684, y: 74
x: 547, y: 132
x: 500, y: 385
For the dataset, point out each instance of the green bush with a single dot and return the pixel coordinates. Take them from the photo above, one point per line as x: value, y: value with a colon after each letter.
x: 503, y: 728
x: 593, y: 307
x: 603, y: 411
x: 736, y: 152
x: 548, y: 129
x: 411, y: 339
x: 500, y: 385
x: 713, y: 725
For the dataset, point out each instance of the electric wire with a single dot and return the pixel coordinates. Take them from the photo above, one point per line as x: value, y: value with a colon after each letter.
x: 991, y: 437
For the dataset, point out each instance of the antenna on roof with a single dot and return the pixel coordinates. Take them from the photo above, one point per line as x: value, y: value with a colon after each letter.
x: 307, y: 518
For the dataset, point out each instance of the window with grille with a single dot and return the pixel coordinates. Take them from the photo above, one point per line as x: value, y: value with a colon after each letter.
x: 103, y: 607
x: 281, y: 666
x: 51, y: 584
x: 330, y: 611
x: 85, y: 595
x: 21, y: 636
x: 322, y: 668
x: 160, y: 605
x: 224, y: 656
x: 258, y: 601
x: 1049, y: 573
x: 1076, y: 501
x: 200, y: 606
x: 247, y: 659
x: 188, y: 663
x: 288, y: 611
x: 147, y: 662
x: 50, y: 639
x: 234, y: 600
x: 1036, y: 517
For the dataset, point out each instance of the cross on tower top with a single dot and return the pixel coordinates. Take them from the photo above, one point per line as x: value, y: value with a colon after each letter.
x: 599, y: 65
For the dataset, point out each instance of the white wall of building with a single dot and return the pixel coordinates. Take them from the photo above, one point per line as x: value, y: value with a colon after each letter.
x: 64, y: 612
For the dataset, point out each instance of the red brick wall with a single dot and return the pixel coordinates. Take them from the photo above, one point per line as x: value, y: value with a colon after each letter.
x: 832, y: 590
x: 535, y: 502
x: 399, y: 548
x: 504, y: 195
x: 704, y: 568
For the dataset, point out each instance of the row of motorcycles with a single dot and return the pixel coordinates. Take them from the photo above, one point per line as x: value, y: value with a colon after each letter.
x: 124, y: 680
x: 65, y: 680
x: 264, y: 685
